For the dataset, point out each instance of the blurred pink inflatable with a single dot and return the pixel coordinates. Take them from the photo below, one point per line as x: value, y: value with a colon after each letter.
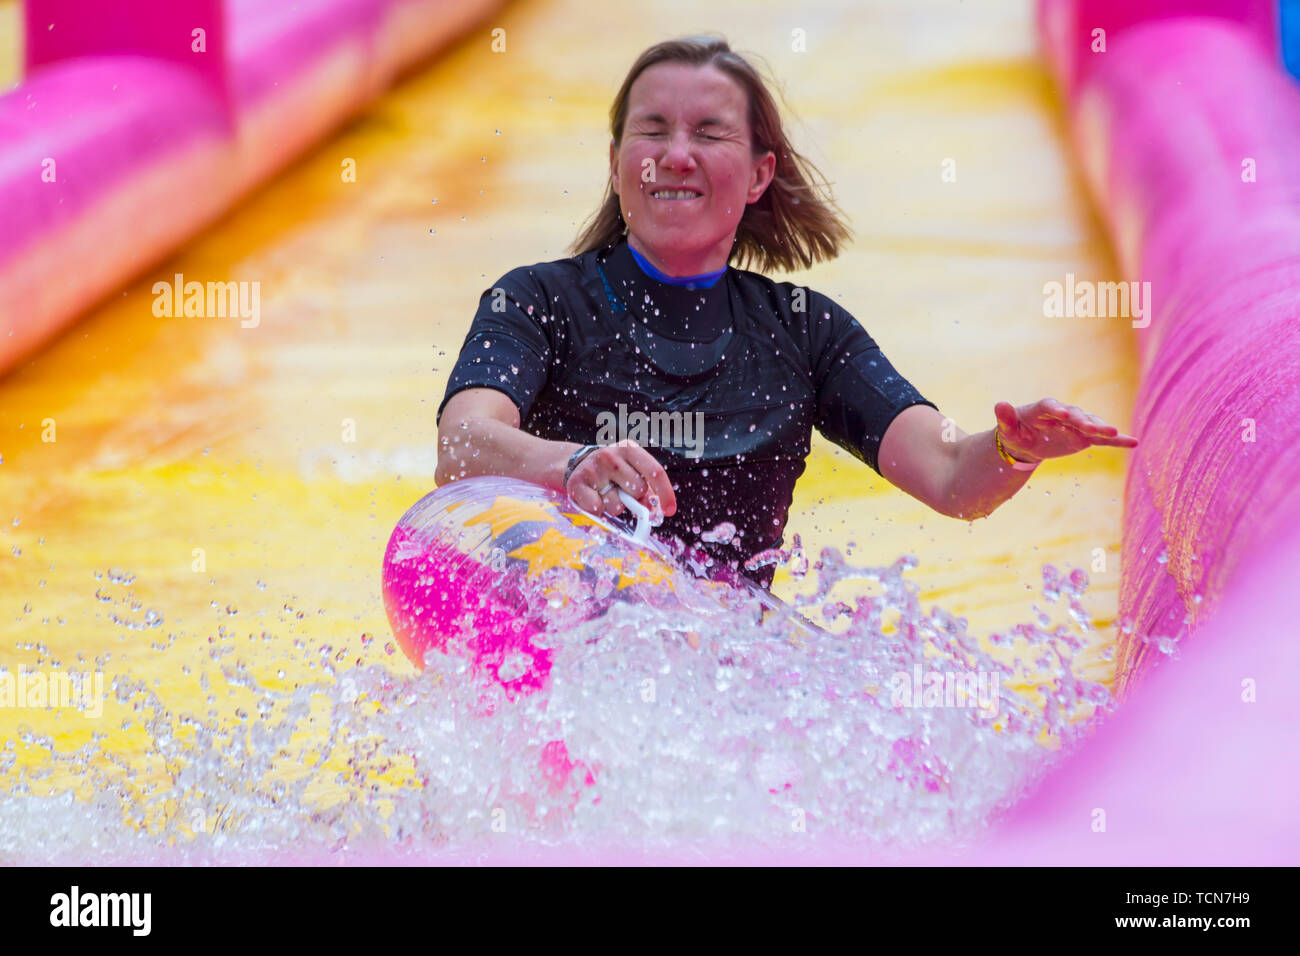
x: 139, y: 123
x: 1189, y: 134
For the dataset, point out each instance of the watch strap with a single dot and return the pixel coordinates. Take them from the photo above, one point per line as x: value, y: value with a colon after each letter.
x: 575, y: 460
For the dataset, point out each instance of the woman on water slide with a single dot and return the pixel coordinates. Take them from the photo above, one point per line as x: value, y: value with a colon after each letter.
x: 649, y: 331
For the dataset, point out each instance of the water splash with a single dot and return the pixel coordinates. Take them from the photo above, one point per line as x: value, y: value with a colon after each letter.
x: 735, y: 730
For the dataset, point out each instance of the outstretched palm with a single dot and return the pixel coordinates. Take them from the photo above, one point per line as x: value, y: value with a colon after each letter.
x: 1050, y: 429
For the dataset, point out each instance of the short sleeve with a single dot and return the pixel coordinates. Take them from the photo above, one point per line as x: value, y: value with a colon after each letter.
x: 508, y: 346
x: 859, y: 392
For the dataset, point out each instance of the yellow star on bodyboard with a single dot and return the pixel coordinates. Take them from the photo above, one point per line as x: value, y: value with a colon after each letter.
x: 505, y: 513
x: 552, y: 550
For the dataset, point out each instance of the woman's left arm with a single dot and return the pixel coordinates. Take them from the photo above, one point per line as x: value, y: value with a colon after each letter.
x: 964, y: 476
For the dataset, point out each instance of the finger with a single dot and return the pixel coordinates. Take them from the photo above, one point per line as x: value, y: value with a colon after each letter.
x: 1043, y: 414
x: 1086, y: 423
x: 606, y: 466
x: 655, y: 474
x: 1050, y: 410
x: 1070, y: 416
x: 1102, y: 427
x: 1093, y: 427
x: 1118, y: 441
x: 1082, y: 421
x: 623, y: 472
x: 1077, y: 428
x: 1074, y: 418
x: 591, y: 486
x: 583, y: 495
x: 610, y: 502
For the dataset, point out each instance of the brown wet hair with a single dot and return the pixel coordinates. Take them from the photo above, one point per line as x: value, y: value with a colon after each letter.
x: 794, y: 224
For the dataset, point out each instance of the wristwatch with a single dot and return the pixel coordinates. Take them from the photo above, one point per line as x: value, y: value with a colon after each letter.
x: 1015, y: 463
x: 574, y: 460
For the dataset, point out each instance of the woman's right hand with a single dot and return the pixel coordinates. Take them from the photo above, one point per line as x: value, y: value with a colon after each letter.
x: 594, y: 484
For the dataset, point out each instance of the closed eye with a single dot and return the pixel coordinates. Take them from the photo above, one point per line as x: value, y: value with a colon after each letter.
x: 662, y: 132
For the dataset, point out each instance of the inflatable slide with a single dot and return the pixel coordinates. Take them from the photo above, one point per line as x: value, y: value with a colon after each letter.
x: 202, y: 496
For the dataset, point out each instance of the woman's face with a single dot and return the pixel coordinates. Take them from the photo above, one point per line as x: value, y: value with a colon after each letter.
x: 687, y: 133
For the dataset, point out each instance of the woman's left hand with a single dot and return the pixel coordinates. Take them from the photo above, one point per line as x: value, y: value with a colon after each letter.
x: 1049, y: 429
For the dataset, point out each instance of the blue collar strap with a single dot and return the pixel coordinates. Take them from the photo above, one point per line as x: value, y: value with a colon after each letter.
x: 705, y: 280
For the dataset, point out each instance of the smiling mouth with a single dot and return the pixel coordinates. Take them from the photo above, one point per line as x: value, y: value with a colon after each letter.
x: 675, y: 195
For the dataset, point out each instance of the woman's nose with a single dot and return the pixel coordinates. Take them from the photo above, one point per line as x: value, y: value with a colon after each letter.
x: 678, y: 153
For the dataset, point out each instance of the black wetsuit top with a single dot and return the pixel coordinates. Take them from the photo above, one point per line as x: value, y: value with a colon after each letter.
x: 764, y: 361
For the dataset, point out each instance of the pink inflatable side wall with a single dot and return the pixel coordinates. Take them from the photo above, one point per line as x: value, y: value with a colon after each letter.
x: 138, y: 124
x: 1188, y: 131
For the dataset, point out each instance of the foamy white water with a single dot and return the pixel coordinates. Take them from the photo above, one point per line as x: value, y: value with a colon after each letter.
x: 762, y: 737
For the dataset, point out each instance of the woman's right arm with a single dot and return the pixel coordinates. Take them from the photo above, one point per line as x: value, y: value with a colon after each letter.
x: 479, y: 434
